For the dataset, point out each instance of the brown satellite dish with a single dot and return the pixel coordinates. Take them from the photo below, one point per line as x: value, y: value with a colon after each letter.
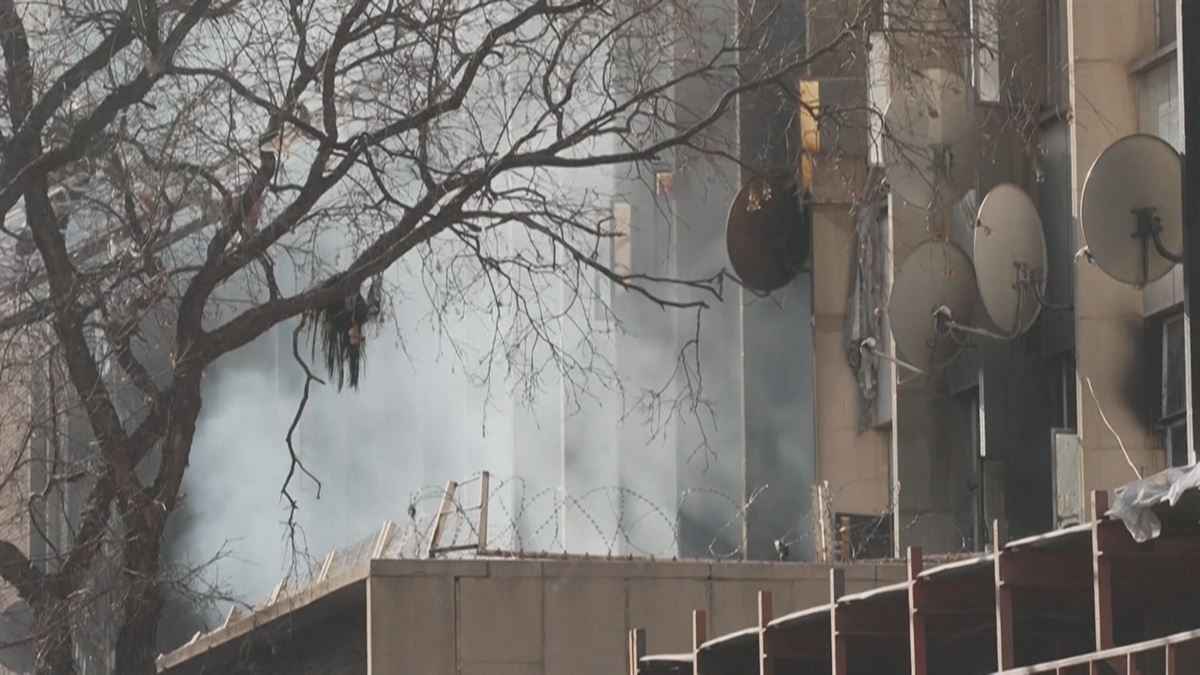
x: 767, y: 233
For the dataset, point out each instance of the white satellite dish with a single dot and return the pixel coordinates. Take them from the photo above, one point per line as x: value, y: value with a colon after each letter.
x: 933, y: 108
x: 1010, y: 258
x: 934, y: 287
x: 1132, y: 209
x: 929, y: 141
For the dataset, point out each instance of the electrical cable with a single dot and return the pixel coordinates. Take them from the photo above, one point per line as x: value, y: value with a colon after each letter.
x: 1108, y: 424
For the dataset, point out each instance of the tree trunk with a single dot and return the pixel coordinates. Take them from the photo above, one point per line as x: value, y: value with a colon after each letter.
x: 137, y: 642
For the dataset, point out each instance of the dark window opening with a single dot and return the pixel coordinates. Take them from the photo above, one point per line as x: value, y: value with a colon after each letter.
x: 1168, y: 385
x: 862, y: 537
x: 1174, y: 388
x: 1164, y: 14
x: 1062, y: 392
x: 977, y: 451
x: 1177, y: 443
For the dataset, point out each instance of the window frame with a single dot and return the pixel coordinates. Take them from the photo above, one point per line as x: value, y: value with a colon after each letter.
x: 1167, y: 416
x: 1169, y: 422
x: 987, y: 70
x: 1176, y: 456
x: 1161, y: 37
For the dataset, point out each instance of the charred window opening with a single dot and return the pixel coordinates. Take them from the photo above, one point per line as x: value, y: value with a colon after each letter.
x: 1063, y: 409
x: 864, y: 537
x: 1166, y: 383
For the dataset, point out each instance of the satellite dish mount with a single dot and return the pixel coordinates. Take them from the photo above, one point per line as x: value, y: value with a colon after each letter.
x: 1149, y: 232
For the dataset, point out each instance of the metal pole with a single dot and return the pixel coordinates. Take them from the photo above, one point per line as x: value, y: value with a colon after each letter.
x: 1188, y: 35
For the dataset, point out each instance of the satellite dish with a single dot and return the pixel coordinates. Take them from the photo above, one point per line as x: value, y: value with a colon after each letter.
x: 934, y: 108
x: 767, y: 233
x: 1132, y: 209
x: 929, y: 141
x: 934, y: 284
x: 930, y: 178
x: 1010, y: 258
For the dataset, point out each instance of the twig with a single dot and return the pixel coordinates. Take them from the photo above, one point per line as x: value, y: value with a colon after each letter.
x: 296, y: 462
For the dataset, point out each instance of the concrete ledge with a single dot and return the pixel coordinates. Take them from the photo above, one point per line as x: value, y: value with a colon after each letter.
x: 419, y: 568
x: 309, y: 604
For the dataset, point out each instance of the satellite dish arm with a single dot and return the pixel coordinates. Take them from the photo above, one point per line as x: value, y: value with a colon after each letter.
x: 1149, y: 227
x: 868, y: 346
x: 1041, y: 298
x: 945, y: 324
x: 1156, y: 237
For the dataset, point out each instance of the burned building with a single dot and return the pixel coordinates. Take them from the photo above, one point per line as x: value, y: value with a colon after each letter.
x: 366, y: 609
x: 1015, y: 424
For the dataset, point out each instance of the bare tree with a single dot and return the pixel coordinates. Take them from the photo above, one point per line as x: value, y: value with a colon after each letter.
x: 180, y: 177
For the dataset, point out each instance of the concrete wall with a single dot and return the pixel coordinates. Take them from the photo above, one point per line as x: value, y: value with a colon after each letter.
x: 335, y: 646
x: 854, y: 463
x: 528, y: 617
x: 1106, y: 36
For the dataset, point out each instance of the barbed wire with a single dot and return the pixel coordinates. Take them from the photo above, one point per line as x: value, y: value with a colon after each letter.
x: 611, y: 522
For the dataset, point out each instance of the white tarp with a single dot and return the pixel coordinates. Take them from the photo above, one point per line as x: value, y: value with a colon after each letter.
x: 1135, y: 501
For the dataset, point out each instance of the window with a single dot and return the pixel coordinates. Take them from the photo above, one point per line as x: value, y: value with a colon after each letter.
x: 1177, y: 443
x: 1172, y: 389
x: 1062, y: 392
x: 1158, y: 101
x: 987, y: 50
x: 616, y: 252
x: 622, y: 247
x: 863, y: 537
x: 1164, y: 15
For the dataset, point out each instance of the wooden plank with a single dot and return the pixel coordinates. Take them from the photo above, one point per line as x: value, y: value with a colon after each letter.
x: 766, y: 612
x: 484, y: 495
x: 699, y: 637
x: 837, y: 588
x: 1004, y: 605
x: 382, y: 540
x: 916, y: 620
x: 439, y: 523
x: 1101, y: 574
x: 326, y: 565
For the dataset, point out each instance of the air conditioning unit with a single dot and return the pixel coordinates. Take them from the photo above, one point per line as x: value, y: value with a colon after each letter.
x: 1067, y: 467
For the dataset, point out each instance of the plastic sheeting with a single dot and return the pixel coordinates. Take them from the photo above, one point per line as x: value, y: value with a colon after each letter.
x: 866, y: 298
x: 1134, y: 503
